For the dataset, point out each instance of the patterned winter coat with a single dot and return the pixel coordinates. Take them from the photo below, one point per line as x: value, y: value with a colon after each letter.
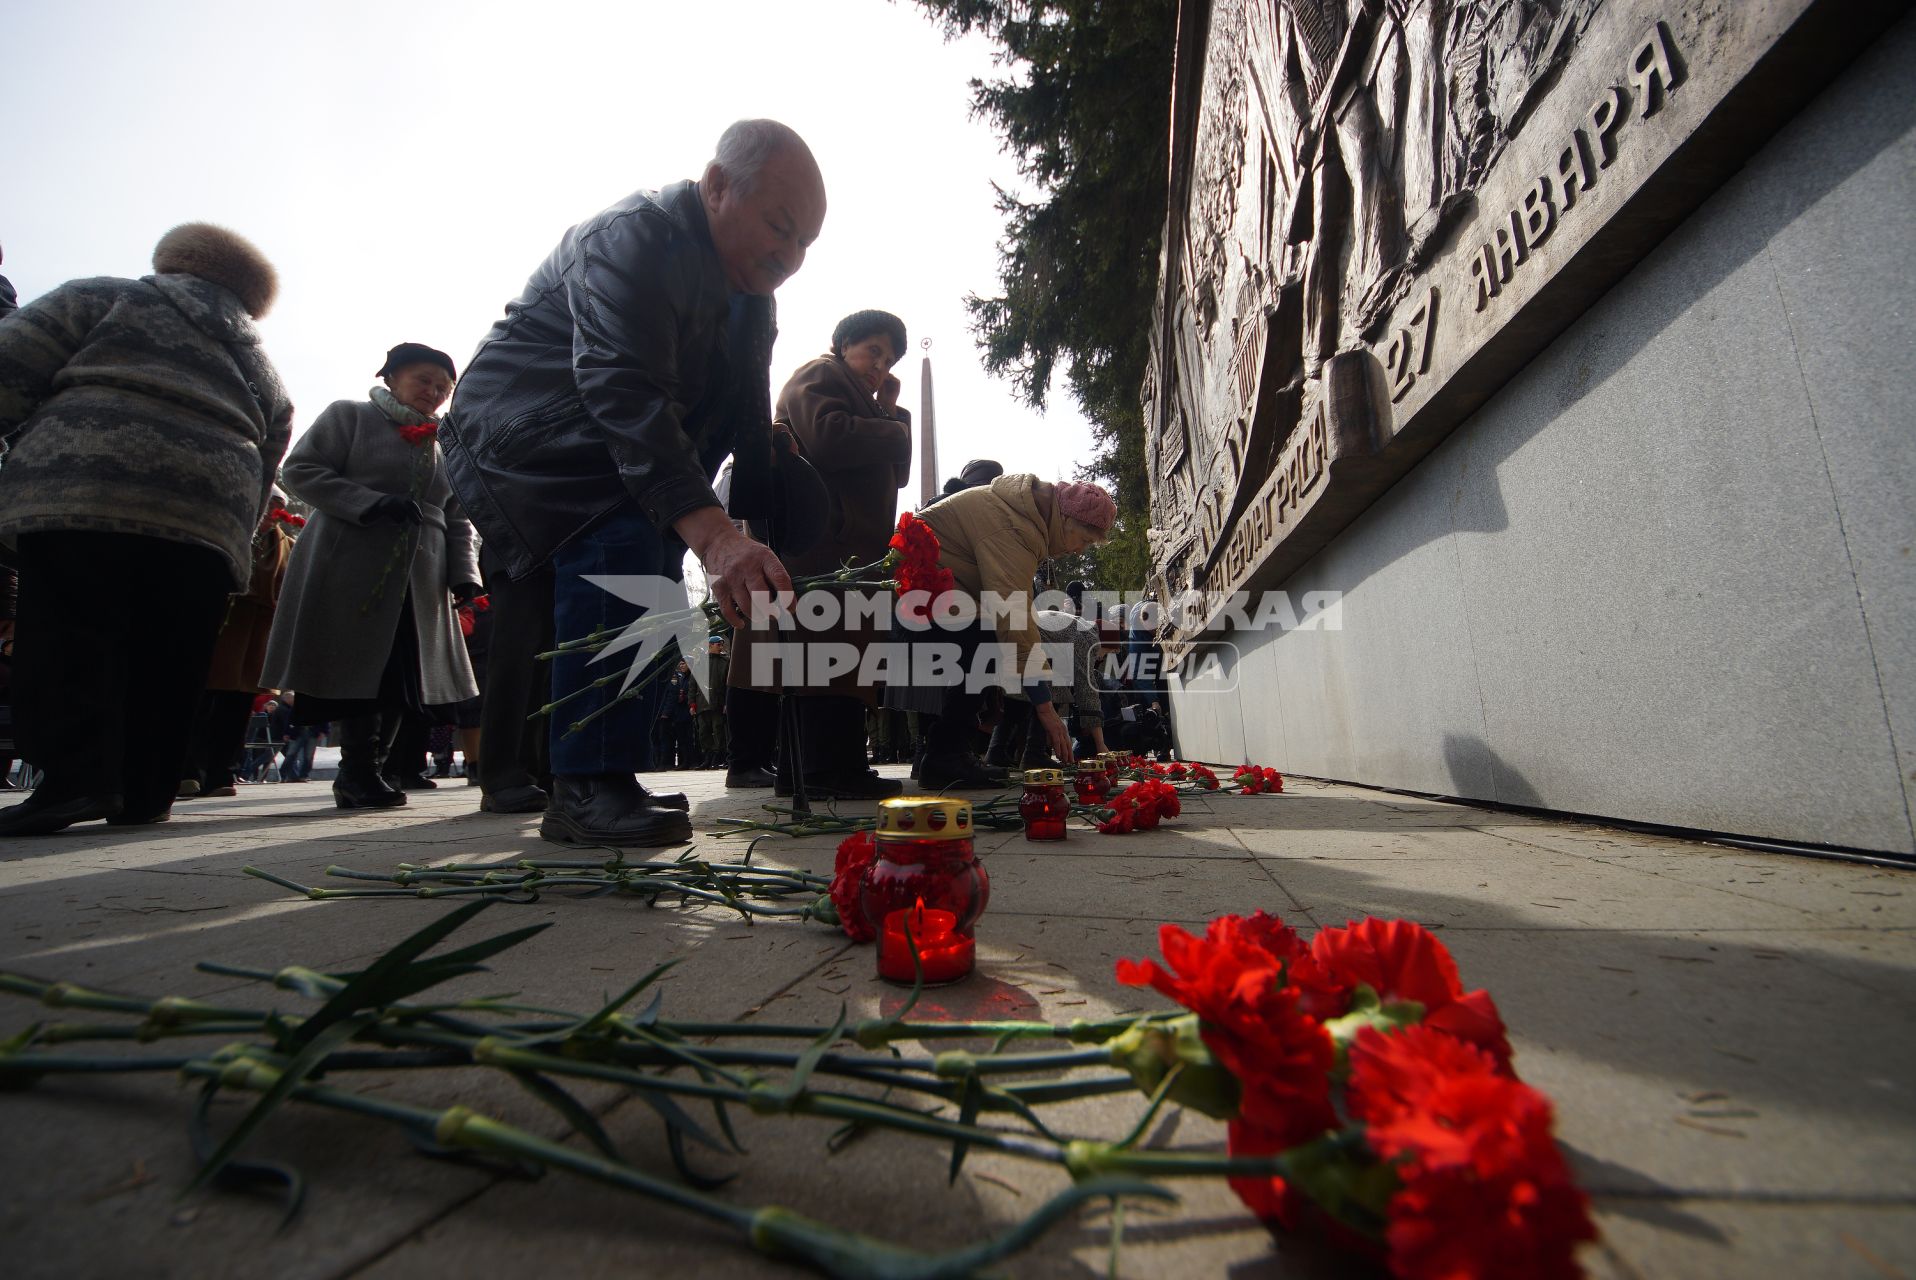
x: 141, y: 406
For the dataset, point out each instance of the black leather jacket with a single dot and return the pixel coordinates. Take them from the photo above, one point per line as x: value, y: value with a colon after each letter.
x: 606, y: 382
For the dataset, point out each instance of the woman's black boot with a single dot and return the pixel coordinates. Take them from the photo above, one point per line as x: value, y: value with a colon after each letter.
x: 359, y: 785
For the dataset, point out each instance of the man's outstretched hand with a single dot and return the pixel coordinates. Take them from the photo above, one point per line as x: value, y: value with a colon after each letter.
x: 736, y: 567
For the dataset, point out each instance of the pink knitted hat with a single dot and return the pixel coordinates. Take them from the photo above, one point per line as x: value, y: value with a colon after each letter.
x: 1089, y: 503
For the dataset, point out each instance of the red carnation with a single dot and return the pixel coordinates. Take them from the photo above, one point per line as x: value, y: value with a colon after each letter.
x: 1124, y: 816
x: 915, y: 541
x: 1273, y: 780
x: 280, y: 515
x: 1175, y: 771
x: 1236, y: 979
x: 420, y: 433
x: 1204, y: 777
x: 856, y: 853
x: 1485, y: 1193
x: 918, y: 567
x: 1157, y: 798
x: 1401, y: 960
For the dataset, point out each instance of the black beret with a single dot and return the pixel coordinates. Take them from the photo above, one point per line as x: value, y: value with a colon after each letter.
x: 416, y: 353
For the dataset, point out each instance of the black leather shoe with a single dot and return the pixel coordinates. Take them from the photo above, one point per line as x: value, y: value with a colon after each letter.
x: 749, y: 779
x: 610, y: 809
x: 525, y: 799
x: 410, y: 782
x: 668, y: 800
x: 356, y: 789
x: 124, y: 819
x: 34, y: 817
x: 958, y: 773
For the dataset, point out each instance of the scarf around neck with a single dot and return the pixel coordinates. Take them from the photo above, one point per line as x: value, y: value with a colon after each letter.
x: 398, y: 414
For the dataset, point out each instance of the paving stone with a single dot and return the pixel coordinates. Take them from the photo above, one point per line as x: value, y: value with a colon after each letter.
x: 1690, y: 1240
x: 1670, y: 996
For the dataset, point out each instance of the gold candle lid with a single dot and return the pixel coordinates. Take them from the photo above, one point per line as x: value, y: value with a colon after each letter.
x: 925, y: 818
x: 1044, y: 777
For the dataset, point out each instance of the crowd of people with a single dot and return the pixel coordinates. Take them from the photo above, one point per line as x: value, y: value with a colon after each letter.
x: 180, y: 617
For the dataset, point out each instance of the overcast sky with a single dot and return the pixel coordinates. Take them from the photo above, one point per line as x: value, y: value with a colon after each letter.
x: 406, y: 164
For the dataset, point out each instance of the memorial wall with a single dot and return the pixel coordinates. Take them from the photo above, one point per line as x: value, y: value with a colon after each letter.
x: 1567, y: 341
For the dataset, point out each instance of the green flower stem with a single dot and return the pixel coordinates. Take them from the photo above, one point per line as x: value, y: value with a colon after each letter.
x: 878, y: 1031
x: 72, y: 1032
x: 1038, y: 1093
x: 773, y: 1230
x: 728, y: 884
x: 1093, y: 1159
x: 581, y: 692
x: 166, y: 1011
x: 958, y: 1064
x: 767, y: 1099
x: 463, y: 1127
x: 18, y: 1067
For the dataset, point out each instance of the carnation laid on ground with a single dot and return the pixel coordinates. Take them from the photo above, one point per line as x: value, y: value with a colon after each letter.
x: 1456, y: 1176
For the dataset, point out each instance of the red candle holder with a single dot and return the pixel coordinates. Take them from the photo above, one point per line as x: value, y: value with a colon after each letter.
x: 1043, y: 805
x: 926, y: 889
x: 1091, y: 783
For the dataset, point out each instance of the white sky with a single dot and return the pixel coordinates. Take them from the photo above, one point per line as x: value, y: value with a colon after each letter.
x: 406, y: 164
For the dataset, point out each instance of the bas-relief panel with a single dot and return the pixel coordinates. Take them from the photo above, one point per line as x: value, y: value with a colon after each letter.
x: 1377, y: 190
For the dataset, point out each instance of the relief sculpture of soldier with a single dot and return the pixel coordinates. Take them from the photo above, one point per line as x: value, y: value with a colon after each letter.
x: 1380, y: 119
x: 1352, y: 197
x: 1403, y: 105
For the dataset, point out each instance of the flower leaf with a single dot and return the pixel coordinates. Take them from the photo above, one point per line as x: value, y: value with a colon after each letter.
x: 382, y: 982
x: 574, y: 1112
x: 245, y: 1175
x: 968, y: 1104
x: 286, y: 1079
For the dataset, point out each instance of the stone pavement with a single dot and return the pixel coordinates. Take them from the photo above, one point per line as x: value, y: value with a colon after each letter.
x: 1730, y: 1037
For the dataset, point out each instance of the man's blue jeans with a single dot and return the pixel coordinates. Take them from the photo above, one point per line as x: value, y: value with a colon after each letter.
x: 298, y: 764
x: 620, y: 741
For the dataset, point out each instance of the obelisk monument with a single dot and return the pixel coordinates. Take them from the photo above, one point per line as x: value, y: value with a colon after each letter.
x: 927, y: 433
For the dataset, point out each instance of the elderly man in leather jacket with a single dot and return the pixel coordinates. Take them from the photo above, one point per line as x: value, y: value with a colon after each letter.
x: 583, y: 440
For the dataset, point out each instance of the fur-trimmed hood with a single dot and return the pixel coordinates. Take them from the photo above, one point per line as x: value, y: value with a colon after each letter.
x: 222, y: 257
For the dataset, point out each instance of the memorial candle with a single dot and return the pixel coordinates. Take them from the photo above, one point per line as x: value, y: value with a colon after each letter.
x: 945, y: 954
x: 926, y: 875
x: 1043, y: 806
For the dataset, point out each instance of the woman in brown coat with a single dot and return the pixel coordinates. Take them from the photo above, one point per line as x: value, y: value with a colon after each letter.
x: 842, y: 409
x: 232, y: 681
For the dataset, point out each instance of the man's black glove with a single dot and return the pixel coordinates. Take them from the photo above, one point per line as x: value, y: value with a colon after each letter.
x: 464, y: 592
x: 395, y: 508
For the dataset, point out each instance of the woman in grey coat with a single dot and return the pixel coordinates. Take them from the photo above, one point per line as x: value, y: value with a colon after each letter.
x: 365, y: 630
x: 143, y: 423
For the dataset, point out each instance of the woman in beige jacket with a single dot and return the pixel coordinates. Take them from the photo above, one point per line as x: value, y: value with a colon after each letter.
x: 993, y: 539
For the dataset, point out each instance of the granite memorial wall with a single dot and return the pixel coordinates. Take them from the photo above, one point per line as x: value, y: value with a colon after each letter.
x: 1567, y: 340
